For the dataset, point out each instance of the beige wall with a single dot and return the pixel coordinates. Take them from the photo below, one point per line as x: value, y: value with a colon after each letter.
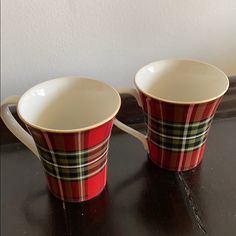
x: 110, y: 39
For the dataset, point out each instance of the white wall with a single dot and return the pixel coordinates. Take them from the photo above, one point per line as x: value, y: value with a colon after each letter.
x: 110, y: 39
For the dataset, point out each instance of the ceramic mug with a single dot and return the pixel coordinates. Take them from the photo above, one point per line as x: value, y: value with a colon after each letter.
x: 179, y: 99
x: 70, y: 122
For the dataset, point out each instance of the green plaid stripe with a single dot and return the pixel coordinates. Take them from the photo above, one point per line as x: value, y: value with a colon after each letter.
x: 74, y: 158
x: 80, y: 164
x: 77, y: 173
x: 77, y: 177
x: 179, y: 137
x: 177, y: 129
x: 174, y: 144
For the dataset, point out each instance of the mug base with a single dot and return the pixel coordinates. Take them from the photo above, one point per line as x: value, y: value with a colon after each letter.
x: 175, y: 161
x: 77, y: 200
x: 173, y: 169
x: 69, y: 191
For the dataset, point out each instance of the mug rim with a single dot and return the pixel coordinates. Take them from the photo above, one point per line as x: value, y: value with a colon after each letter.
x: 89, y: 127
x: 181, y: 102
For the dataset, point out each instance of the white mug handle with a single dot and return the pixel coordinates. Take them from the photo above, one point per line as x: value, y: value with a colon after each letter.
x: 141, y: 137
x: 14, y: 126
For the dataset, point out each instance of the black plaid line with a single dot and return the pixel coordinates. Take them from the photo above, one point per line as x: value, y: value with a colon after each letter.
x: 70, y: 158
x: 170, y: 123
x: 177, y: 144
x: 178, y: 129
x: 73, y: 172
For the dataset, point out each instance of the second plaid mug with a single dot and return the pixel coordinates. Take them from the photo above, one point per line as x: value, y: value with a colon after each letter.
x: 179, y: 99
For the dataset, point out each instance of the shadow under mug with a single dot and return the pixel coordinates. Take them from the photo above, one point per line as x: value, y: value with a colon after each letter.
x: 70, y: 122
x: 179, y: 99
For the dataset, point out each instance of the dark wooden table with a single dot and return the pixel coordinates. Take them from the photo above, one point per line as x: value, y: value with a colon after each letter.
x: 139, y: 199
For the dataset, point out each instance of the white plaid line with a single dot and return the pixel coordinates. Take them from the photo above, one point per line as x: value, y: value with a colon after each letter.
x: 162, y: 151
x: 177, y: 149
x: 189, y: 113
x: 81, y: 173
x: 80, y: 177
x: 48, y: 142
x: 193, y: 124
x: 105, y: 149
x: 75, y: 153
x: 211, y: 110
x: 75, y: 166
x: 177, y: 137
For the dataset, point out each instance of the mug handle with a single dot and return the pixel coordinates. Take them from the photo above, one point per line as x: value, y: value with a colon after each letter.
x: 14, y: 126
x: 141, y: 137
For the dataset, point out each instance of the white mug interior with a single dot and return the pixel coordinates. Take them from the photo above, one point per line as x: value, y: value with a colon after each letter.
x: 182, y: 81
x: 68, y: 104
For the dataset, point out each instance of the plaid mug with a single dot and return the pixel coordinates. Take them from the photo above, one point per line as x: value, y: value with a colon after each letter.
x: 179, y: 99
x: 70, y: 122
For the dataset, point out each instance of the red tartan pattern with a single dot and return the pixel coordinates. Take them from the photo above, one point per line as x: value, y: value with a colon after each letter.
x: 75, y: 163
x: 72, y: 173
x: 180, y: 160
x: 93, y: 187
x: 82, y: 157
x: 177, y: 112
x: 170, y: 160
x: 67, y: 141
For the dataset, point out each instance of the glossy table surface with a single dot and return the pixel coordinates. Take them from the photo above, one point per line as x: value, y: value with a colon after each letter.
x: 140, y: 198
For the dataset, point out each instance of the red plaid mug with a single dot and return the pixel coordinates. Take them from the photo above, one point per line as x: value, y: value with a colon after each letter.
x: 179, y: 99
x: 70, y: 122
